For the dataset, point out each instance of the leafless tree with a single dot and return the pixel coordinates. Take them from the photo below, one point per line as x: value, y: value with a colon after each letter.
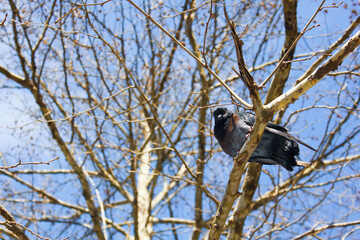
x: 116, y: 98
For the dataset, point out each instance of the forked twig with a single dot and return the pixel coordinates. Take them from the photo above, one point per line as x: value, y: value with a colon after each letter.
x: 79, y: 6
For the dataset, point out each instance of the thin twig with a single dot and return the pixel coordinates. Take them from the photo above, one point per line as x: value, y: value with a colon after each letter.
x: 80, y: 6
x: 333, y: 6
x: 29, y: 163
x: 188, y: 11
x: 314, y: 231
x: 3, y: 22
x: 206, y: 29
x: 308, y: 58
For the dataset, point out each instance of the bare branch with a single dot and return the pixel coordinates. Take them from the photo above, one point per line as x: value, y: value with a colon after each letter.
x: 3, y: 21
x: 317, y: 230
x: 330, y: 65
x: 11, y: 224
x: 80, y: 6
x: 328, y: 52
x: 33, y: 163
x: 230, y: 195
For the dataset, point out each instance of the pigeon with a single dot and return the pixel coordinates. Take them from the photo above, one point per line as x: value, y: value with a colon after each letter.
x: 276, y: 147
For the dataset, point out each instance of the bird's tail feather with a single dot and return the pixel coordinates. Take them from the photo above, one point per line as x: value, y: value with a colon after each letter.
x: 288, y: 136
x: 306, y: 145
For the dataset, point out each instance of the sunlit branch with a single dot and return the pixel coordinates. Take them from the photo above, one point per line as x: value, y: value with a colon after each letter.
x: 330, y: 65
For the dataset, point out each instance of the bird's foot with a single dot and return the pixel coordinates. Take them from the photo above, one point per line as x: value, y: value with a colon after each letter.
x: 248, y: 132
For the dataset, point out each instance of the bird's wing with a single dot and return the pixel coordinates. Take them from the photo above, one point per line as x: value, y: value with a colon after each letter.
x: 280, y: 131
x: 237, y: 135
x: 277, y: 127
x: 249, y: 119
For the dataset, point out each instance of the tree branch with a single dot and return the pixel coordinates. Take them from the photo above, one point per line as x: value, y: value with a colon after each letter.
x: 330, y: 65
x: 317, y: 230
x: 11, y: 224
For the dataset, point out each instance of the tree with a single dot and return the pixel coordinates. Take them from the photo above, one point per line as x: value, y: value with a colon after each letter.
x: 122, y: 94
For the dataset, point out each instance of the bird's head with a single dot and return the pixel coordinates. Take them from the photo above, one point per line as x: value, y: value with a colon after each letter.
x: 221, y: 114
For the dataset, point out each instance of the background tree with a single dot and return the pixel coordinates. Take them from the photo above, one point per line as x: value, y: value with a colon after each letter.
x: 123, y: 92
